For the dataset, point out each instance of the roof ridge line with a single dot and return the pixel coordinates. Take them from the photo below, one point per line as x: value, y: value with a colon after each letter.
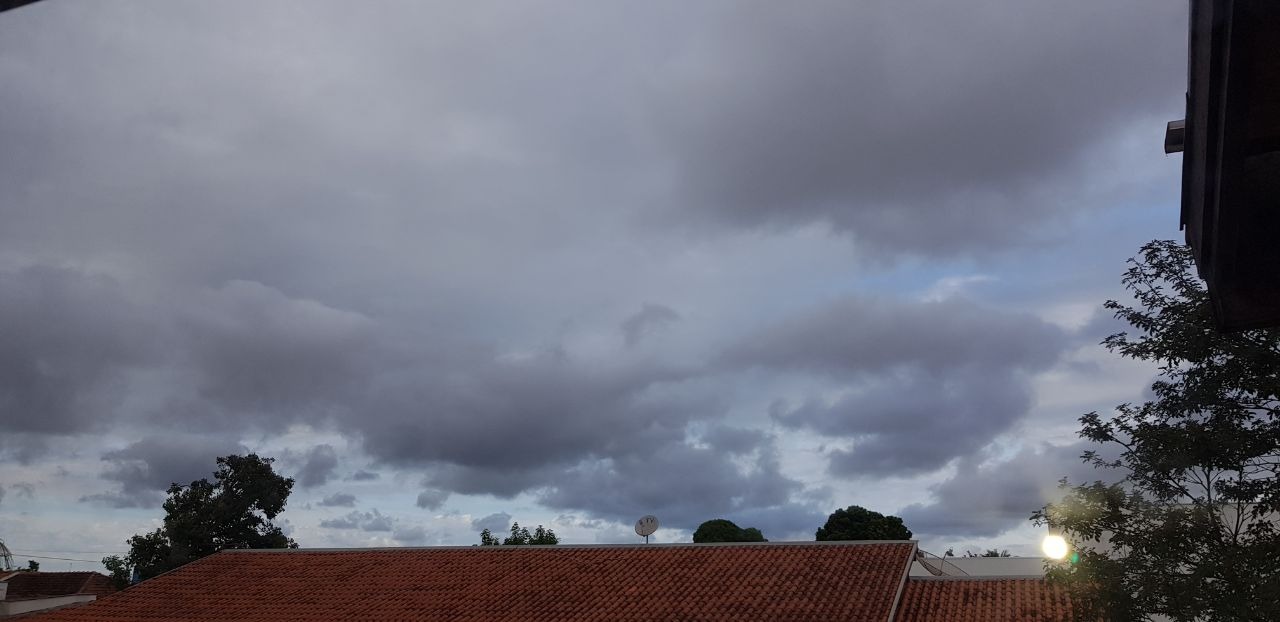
x: 665, y: 545
x: 983, y: 577
x: 902, y: 582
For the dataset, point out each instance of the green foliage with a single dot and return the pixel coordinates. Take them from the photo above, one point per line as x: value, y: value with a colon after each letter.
x: 721, y: 530
x: 858, y: 523
x: 119, y: 570
x: 1188, y: 530
x: 989, y: 553
x: 33, y: 565
x: 232, y: 512
x: 520, y: 536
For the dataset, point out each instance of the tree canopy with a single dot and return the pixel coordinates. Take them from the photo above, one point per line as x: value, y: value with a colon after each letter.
x: 234, y: 511
x: 1188, y: 530
x: 520, y: 536
x: 858, y: 523
x: 722, y: 530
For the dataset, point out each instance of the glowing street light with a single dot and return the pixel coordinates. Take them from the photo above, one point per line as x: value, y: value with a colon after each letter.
x: 1055, y: 546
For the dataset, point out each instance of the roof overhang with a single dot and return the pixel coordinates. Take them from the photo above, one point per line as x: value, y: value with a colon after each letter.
x: 5, y: 5
x: 1230, y: 141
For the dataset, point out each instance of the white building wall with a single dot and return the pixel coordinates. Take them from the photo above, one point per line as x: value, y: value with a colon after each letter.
x: 16, y: 607
x: 984, y: 566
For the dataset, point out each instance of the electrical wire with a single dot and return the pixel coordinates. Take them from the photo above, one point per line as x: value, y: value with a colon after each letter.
x: 34, y: 551
x: 62, y: 559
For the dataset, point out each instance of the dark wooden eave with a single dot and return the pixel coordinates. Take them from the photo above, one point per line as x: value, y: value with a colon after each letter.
x: 1230, y: 141
x: 5, y: 5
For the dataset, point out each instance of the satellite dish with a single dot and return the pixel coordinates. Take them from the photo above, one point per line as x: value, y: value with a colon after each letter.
x: 6, y: 558
x: 646, y: 525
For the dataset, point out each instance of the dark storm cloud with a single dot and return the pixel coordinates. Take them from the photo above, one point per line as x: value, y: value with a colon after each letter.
x: 924, y: 126
x: 24, y: 489
x: 649, y: 318
x: 257, y: 348
x: 1102, y: 324
x: 364, y: 476
x: 987, y: 499
x: 682, y: 484
x: 339, y: 500
x: 69, y: 339
x: 350, y: 521
x: 362, y: 217
x: 493, y: 423
x: 898, y: 420
x: 364, y: 521
x: 921, y: 126
x: 432, y: 499
x: 481, y: 479
x: 733, y: 440
x: 793, y: 521
x: 78, y: 344
x: 908, y: 373
x: 378, y: 522
x: 854, y: 336
x: 24, y: 448
x: 148, y: 466
x: 498, y: 522
x: 319, y: 466
x: 410, y: 535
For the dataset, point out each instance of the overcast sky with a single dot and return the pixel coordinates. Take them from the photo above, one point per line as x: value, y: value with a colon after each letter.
x: 457, y: 264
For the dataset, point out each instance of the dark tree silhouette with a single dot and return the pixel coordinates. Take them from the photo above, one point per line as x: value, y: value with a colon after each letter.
x: 858, y: 523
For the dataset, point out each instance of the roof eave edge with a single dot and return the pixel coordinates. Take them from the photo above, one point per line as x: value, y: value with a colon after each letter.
x: 902, y: 581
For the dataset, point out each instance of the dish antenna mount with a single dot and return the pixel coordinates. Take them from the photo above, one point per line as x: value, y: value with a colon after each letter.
x: 646, y: 526
x: 6, y: 558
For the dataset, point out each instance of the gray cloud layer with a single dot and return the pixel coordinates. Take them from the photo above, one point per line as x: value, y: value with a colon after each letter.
x: 432, y: 499
x: 922, y: 126
x: 147, y: 467
x: 650, y: 317
x: 498, y: 523
x: 68, y: 340
x: 424, y: 227
x: 364, y: 476
x: 319, y: 466
x: 339, y: 500
x: 363, y: 521
x: 986, y: 499
x: 910, y: 373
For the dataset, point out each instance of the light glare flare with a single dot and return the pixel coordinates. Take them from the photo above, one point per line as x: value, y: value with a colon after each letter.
x: 1054, y: 546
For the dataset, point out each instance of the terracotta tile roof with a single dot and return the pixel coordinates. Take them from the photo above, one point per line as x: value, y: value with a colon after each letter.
x: 23, y: 585
x: 985, y: 600
x: 809, y: 581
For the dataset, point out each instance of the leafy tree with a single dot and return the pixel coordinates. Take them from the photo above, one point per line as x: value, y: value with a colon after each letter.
x: 1188, y: 530
x: 858, y: 523
x: 118, y: 569
x: 520, y: 536
x: 989, y: 553
x: 33, y: 565
x: 234, y: 511
x: 721, y: 530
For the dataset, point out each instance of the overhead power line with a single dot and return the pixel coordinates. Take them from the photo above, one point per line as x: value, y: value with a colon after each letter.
x: 63, y: 559
x: 34, y: 551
